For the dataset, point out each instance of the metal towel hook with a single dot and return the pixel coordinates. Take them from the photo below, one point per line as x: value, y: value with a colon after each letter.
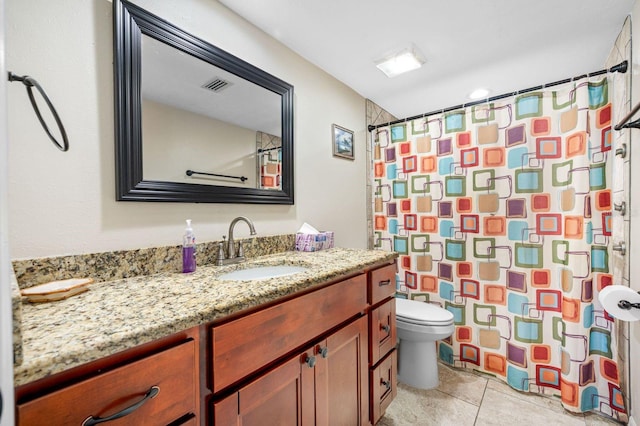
x: 30, y: 82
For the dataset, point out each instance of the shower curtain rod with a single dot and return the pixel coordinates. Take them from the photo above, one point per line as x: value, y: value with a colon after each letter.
x: 621, y: 67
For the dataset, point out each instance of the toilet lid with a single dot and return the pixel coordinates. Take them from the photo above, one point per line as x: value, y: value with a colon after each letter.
x: 421, y: 312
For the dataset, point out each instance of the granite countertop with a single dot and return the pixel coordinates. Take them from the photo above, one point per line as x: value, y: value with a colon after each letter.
x: 117, y: 315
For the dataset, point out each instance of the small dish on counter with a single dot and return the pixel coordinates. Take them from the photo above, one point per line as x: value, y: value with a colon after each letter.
x: 56, y: 290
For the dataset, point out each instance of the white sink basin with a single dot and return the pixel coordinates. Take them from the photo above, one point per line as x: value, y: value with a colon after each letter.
x: 262, y: 272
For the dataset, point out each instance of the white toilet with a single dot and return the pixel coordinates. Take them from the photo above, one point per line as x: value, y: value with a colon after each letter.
x: 419, y: 325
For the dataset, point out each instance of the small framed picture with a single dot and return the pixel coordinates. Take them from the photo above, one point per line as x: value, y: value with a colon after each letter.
x: 342, y: 142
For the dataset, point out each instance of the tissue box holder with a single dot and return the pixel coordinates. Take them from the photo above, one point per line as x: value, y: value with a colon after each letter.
x: 314, y: 242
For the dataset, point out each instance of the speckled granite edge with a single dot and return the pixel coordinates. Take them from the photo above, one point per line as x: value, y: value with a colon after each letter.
x: 16, y: 307
x: 118, y: 315
x: 109, y: 266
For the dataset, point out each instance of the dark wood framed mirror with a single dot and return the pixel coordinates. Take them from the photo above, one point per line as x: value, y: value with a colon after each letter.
x: 266, y: 102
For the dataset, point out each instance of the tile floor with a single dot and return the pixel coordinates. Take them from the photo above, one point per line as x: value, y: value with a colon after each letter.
x: 466, y: 398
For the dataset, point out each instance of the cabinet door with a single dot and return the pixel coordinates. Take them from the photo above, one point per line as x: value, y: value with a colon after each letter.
x: 273, y: 398
x: 341, y: 380
x: 383, y: 385
x: 382, y: 323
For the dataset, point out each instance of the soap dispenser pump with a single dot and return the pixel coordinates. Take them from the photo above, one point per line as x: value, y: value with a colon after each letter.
x: 188, y: 249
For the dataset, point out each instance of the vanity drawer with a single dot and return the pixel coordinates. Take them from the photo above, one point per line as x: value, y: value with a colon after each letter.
x: 382, y: 326
x: 245, y: 345
x: 382, y: 284
x: 172, y: 371
x: 383, y: 385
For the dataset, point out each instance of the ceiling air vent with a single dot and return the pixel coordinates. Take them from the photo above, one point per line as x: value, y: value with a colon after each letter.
x: 217, y: 85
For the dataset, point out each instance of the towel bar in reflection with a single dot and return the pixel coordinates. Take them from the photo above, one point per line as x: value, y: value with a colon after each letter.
x: 191, y: 173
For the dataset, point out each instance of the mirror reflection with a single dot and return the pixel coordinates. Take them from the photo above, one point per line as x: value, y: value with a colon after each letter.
x: 202, y: 124
x: 269, y: 149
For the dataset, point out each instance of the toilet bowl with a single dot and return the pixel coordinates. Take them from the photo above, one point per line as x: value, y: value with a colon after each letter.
x: 419, y: 325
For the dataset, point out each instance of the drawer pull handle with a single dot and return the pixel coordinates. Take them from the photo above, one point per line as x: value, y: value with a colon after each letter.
x: 383, y: 283
x: 323, y: 352
x: 386, y: 383
x: 386, y: 328
x: 310, y: 361
x: 152, y: 393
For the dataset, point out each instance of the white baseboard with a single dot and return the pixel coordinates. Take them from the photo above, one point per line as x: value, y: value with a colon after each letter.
x: 632, y: 422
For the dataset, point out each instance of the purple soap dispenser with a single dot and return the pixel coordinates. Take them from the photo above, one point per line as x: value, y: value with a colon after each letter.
x: 188, y: 249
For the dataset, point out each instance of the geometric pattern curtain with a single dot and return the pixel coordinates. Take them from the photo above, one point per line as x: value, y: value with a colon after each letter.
x: 501, y: 214
x: 270, y: 163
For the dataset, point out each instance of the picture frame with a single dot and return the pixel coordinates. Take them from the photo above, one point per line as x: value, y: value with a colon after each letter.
x: 342, y: 141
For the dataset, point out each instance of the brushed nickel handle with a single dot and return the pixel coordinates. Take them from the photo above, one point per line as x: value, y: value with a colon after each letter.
x: 386, y: 328
x: 383, y: 283
x: 622, y: 208
x: 622, y: 151
x: 323, y: 352
x: 152, y: 393
x: 385, y: 383
x: 621, y: 247
x: 310, y: 361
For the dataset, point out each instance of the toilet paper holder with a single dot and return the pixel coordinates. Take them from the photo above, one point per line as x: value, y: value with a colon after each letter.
x: 625, y: 304
x: 621, y: 302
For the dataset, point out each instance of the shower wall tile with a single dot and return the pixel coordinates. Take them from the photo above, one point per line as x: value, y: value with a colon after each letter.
x: 375, y: 115
x: 627, y: 265
x: 620, y: 186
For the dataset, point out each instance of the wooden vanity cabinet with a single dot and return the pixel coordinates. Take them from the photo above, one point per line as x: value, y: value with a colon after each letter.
x: 322, y: 339
x: 346, y: 375
x: 383, y: 340
x: 324, y: 356
x: 326, y: 384
x: 147, y: 389
x: 247, y: 344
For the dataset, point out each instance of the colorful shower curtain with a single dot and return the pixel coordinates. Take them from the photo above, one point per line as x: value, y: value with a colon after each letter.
x: 270, y: 164
x: 501, y: 214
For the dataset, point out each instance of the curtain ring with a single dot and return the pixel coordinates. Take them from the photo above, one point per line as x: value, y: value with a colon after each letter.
x: 30, y: 82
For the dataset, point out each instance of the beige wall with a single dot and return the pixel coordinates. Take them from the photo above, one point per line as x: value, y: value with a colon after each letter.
x: 64, y: 203
x: 176, y: 140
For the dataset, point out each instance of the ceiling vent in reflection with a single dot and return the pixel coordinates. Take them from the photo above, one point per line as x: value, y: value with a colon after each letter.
x: 217, y: 85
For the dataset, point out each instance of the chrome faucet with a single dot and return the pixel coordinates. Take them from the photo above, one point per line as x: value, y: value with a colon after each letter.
x: 234, y: 256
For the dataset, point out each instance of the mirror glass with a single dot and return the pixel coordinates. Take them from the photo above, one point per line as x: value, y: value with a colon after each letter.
x: 193, y: 122
x: 192, y: 112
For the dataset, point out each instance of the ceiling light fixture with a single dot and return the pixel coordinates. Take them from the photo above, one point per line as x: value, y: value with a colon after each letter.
x: 479, y: 94
x: 401, y: 62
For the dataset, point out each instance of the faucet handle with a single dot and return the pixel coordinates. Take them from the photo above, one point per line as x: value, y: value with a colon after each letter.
x: 221, y: 251
x: 240, y: 250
